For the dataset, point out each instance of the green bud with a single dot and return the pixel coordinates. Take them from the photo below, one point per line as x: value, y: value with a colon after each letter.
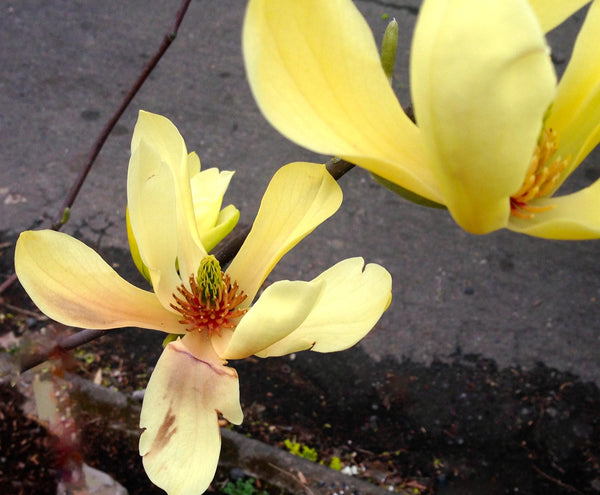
x: 210, y: 280
x: 65, y: 216
x: 388, y: 49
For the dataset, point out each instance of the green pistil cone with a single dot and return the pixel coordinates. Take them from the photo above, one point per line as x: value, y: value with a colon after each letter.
x: 210, y: 279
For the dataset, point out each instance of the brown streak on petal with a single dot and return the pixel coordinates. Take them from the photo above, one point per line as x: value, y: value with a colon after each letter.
x: 165, y: 432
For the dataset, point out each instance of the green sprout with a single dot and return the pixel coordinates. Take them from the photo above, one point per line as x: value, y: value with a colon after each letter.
x: 335, y: 463
x: 242, y: 487
x: 300, y: 450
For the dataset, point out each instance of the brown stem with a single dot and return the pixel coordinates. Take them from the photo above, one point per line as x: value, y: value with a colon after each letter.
x: 8, y: 282
x: 66, y: 344
x: 227, y: 249
x: 338, y: 167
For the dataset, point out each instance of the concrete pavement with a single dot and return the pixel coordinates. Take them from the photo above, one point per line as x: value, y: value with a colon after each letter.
x: 64, y: 68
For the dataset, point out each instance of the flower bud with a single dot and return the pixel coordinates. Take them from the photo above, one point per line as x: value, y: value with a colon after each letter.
x: 388, y: 49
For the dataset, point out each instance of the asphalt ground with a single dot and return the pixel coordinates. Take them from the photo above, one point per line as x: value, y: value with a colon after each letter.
x: 65, y: 66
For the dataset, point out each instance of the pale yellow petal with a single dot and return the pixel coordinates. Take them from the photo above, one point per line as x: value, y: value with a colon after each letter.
x: 314, y: 69
x: 574, y: 216
x: 299, y: 197
x: 581, y: 137
x: 162, y: 138
x: 551, y: 13
x: 481, y: 80
x: 227, y: 220
x: 353, y: 300
x: 280, y: 310
x: 193, y: 164
x: 70, y: 283
x: 153, y: 217
x: 575, y: 113
x: 208, y: 189
x: 181, y: 440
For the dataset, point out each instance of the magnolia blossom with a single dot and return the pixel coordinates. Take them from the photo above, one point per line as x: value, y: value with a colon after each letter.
x: 211, y: 309
x: 495, y: 135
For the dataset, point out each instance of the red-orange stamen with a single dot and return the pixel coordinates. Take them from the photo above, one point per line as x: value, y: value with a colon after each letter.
x: 210, y: 315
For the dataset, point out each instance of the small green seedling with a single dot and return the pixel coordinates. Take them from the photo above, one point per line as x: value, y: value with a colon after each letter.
x: 242, y: 487
x: 300, y: 450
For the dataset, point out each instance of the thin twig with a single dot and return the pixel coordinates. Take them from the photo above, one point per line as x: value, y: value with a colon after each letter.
x: 23, y: 311
x: 71, y: 342
x: 338, y: 167
x: 562, y: 484
x: 166, y: 42
x: 294, y: 477
x: 99, y: 143
x: 8, y: 282
x: 229, y: 247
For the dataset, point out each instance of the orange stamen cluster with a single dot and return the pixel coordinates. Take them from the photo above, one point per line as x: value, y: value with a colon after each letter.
x: 540, y: 179
x: 210, y: 315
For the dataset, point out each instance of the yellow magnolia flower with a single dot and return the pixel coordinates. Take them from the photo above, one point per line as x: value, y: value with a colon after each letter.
x: 496, y: 136
x: 192, y: 297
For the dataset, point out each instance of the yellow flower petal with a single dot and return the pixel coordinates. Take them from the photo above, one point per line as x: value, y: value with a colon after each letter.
x: 280, y: 310
x: 193, y: 164
x: 299, y: 197
x: 181, y: 441
x: 481, y: 81
x: 208, y: 189
x: 551, y: 13
x: 576, y: 110
x: 227, y: 220
x: 71, y: 283
x: 164, y: 137
x: 153, y: 218
x: 352, y: 302
x: 170, y: 167
x: 574, y: 216
x: 315, y: 71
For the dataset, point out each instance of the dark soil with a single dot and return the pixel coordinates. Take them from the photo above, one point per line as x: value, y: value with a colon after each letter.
x: 460, y: 425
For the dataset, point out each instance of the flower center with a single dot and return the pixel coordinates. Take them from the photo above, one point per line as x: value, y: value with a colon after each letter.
x: 210, y: 304
x: 540, y: 179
